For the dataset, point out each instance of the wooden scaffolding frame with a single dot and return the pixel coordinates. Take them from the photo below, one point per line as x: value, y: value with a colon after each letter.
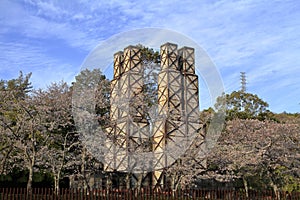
x: 178, y: 108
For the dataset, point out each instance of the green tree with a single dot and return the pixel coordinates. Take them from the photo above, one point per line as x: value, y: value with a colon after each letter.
x: 95, y: 103
x: 149, y: 55
x: 99, y: 85
x: 242, y: 105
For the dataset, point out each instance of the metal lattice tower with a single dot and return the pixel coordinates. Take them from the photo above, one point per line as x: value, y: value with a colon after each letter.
x: 243, y: 81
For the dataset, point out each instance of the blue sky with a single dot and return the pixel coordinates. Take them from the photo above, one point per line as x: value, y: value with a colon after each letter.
x: 260, y: 37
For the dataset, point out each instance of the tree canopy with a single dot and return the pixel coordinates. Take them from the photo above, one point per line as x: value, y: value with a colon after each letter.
x: 38, y: 134
x: 243, y: 105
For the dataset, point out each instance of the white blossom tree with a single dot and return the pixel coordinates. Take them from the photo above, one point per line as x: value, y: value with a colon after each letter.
x: 265, y: 150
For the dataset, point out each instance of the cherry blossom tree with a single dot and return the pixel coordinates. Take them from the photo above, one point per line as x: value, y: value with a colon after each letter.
x: 265, y: 150
x: 21, y: 126
x: 55, y: 106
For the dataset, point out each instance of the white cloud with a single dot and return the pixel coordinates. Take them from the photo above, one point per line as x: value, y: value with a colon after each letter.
x: 21, y: 57
x: 256, y: 36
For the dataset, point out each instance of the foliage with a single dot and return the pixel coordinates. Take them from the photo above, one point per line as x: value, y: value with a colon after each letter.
x: 95, y: 80
x: 288, y: 117
x: 54, y: 105
x: 38, y: 135
x: 96, y: 100
x: 151, y: 62
x: 243, y: 105
x: 21, y: 129
x: 149, y: 55
x: 248, y: 148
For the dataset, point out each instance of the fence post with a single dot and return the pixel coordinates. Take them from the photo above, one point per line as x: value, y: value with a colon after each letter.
x: 11, y: 193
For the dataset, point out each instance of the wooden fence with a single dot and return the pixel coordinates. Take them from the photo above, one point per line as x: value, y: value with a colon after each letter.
x: 132, y: 194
